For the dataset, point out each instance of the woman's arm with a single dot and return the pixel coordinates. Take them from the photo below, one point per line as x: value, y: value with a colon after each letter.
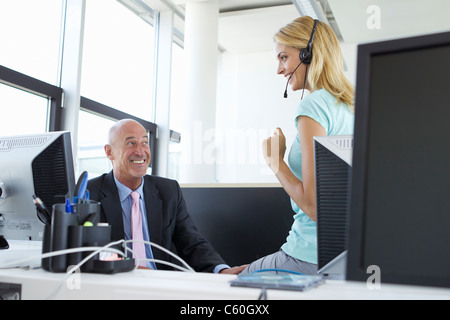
x: 302, y: 192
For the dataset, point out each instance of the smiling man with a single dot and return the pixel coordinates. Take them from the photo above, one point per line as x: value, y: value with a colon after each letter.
x: 143, y: 207
x: 129, y: 151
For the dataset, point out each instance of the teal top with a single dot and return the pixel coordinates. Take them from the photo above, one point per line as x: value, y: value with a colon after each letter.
x: 336, y: 119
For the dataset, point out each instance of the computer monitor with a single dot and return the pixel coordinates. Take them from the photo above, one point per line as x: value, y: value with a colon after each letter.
x: 333, y: 164
x: 400, y: 203
x: 38, y: 164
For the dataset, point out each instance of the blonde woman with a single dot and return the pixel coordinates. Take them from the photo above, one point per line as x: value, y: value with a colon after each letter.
x: 309, y: 58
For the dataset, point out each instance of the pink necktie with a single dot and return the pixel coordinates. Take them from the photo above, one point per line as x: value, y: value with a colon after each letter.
x: 136, y: 230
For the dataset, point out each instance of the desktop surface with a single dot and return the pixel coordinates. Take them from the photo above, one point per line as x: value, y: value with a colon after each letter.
x: 171, y: 285
x: 21, y: 250
x: 38, y: 284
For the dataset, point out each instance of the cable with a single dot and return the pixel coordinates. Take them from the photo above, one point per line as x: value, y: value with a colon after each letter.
x: 263, y: 295
x: 304, y: 82
x: 72, y: 270
x: 160, y: 248
x: 97, y: 250
x: 157, y: 261
x: 18, y: 263
x: 278, y: 270
x: 170, y: 264
x: 94, y: 253
x: 123, y: 242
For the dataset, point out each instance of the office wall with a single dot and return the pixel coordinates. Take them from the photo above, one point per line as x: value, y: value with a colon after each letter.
x: 250, y: 105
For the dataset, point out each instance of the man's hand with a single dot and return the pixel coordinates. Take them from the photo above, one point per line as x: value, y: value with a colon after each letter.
x: 234, y: 270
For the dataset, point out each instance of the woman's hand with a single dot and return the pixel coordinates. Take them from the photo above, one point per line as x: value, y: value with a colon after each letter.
x: 274, y: 149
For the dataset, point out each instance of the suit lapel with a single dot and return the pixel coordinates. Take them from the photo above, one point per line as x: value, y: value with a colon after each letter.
x: 112, y: 207
x: 154, y: 208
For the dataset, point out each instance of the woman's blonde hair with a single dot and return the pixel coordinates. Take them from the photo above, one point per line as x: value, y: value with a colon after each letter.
x: 326, y: 70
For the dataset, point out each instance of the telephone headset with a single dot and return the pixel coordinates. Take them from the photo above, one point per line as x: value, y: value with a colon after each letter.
x: 306, y: 56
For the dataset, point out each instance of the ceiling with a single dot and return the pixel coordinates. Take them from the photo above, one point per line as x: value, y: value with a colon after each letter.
x: 399, y: 18
x: 249, y: 25
x: 352, y: 20
x: 236, y: 5
x: 253, y: 30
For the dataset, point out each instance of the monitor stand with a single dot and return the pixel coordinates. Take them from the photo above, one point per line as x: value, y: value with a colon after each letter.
x: 336, y: 269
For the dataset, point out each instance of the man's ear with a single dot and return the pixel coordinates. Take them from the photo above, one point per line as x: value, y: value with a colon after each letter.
x: 108, y: 151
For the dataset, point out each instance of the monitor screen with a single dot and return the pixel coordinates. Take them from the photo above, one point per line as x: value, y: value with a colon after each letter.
x: 400, y: 204
x: 40, y: 165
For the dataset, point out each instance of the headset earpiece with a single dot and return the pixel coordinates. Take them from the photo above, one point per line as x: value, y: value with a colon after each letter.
x: 306, y: 54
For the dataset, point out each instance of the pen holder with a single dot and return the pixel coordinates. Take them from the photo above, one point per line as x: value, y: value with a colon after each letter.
x: 56, y: 237
x: 67, y: 231
x: 82, y: 211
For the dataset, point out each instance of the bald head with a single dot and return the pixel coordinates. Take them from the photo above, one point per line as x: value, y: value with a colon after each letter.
x: 129, y: 151
x: 119, y: 126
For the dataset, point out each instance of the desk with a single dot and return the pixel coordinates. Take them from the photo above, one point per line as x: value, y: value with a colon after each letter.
x: 170, y: 285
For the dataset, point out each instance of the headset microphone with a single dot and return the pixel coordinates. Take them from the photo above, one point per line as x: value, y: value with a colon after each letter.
x: 287, y: 84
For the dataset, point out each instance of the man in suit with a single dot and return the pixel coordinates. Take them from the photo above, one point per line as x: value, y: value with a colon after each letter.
x: 163, y: 212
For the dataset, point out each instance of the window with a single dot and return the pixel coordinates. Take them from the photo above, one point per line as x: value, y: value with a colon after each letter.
x: 29, y: 64
x: 95, y: 120
x: 30, y: 37
x: 25, y: 113
x: 118, y: 76
x: 118, y: 59
x: 91, y: 142
x: 178, y: 88
x: 117, y: 79
x: 28, y: 105
x: 177, y: 109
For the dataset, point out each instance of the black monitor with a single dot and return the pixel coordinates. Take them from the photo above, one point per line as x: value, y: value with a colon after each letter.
x: 400, y: 198
x: 333, y: 166
x: 37, y: 164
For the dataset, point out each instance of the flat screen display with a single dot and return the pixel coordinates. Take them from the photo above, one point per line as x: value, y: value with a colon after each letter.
x: 400, y: 207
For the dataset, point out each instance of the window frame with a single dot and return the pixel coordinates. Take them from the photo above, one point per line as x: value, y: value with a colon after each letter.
x: 55, y: 94
x: 107, y: 112
x: 43, y: 89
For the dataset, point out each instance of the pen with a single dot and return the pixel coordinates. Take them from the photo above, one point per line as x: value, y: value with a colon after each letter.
x: 68, y: 206
x: 90, y: 220
x: 80, y: 188
x: 86, y: 197
x: 43, y: 213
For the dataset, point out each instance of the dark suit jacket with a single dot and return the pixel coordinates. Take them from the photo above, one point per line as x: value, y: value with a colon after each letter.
x: 170, y: 224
